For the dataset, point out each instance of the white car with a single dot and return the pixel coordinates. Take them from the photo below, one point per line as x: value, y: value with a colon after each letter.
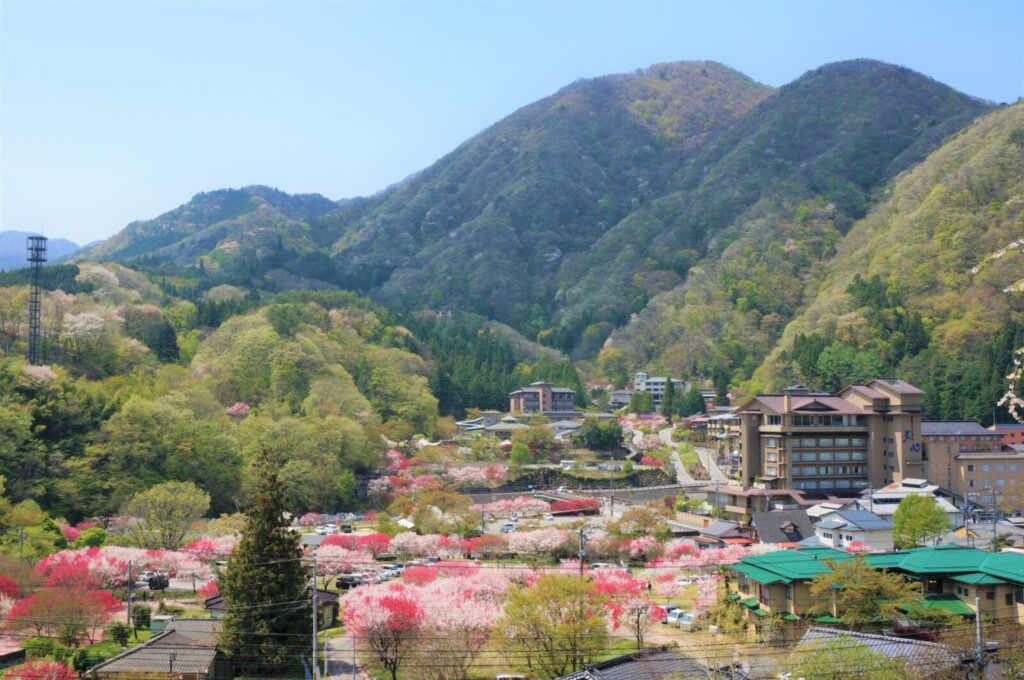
x: 548, y: 516
x: 685, y: 581
x: 331, y: 527
x: 513, y: 517
x: 321, y: 531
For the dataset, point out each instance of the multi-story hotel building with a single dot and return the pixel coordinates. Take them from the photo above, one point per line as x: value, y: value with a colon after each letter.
x: 863, y: 436
x: 542, y: 397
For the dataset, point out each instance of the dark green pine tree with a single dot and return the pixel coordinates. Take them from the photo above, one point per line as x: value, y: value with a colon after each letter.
x: 266, y: 592
x: 668, y: 400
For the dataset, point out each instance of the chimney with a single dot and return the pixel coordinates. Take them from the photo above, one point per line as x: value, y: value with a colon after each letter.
x: 787, y: 402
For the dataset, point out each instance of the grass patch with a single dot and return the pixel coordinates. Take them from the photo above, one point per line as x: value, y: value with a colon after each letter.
x: 688, y: 456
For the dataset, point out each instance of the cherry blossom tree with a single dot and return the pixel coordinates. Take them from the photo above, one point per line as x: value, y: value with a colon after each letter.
x: 537, y: 542
x: 665, y: 585
x: 644, y: 548
x: 419, y: 576
x: 334, y: 560
x: 40, y: 669
x: 523, y: 505
x: 389, y: 620
x: 375, y: 544
x: 707, y: 594
x: 64, y: 610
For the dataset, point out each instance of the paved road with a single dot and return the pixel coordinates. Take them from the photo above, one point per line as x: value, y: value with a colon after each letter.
x: 682, y: 476
x: 708, y: 458
x: 340, y: 658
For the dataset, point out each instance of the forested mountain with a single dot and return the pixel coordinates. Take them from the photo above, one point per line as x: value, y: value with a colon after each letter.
x: 677, y: 219
x: 769, y: 203
x: 930, y: 285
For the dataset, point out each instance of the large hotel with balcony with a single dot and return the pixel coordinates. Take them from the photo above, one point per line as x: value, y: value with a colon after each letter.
x: 833, y: 444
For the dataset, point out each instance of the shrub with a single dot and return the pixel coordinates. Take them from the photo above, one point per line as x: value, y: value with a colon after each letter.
x: 119, y: 633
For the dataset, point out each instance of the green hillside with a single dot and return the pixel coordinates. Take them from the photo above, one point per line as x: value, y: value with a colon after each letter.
x: 929, y: 283
x: 770, y: 202
x: 487, y: 228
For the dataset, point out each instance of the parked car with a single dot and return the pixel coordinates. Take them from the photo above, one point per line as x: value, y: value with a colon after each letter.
x: 685, y: 621
x: 673, y: 616
x: 548, y: 516
x: 669, y: 608
x: 346, y: 528
x: 331, y: 527
x: 507, y: 528
x: 513, y: 517
x: 321, y: 531
x: 685, y: 581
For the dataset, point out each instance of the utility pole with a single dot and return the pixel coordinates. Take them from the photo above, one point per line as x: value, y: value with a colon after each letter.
x: 977, y: 634
x: 583, y: 548
x: 128, y: 597
x: 316, y: 663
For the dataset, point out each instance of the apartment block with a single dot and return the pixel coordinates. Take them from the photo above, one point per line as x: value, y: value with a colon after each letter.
x: 656, y: 386
x: 1012, y: 433
x: 542, y: 397
x: 972, y: 461
x: 862, y: 436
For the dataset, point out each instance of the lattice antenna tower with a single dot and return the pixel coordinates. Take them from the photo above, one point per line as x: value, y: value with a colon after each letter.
x: 36, y: 255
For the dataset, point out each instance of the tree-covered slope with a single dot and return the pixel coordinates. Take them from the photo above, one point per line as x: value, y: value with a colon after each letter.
x: 761, y: 209
x: 928, y: 281
x: 221, y: 225
x: 487, y: 228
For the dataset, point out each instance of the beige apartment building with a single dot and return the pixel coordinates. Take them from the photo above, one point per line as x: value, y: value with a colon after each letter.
x: 862, y: 436
x: 973, y: 462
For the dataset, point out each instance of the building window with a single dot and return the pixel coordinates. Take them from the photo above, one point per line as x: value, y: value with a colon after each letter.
x: 826, y: 442
x: 825, y: 456
x: 1018, y: 594
x: 773, y: 470
x: 789, y: 593
x: 1000, y: 467
x: 970, y: 468
x: 860, y: 455
x: 986, y: 468
x: 1008, y: 599
x: 1014, y: 467
x: 858, y: 441
x: 795, y: 457
x: 1000, y: 482
x: 970, y: 483
x: 990, y: 595
x: 773, y: 457
x: 741, y: 582
x: 766, y: 595
x: 775, y: 420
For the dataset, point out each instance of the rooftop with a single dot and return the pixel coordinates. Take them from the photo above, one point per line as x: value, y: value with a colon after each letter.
x: 940, y: 428
x: 646, y: 664
x: 806, y: 563
x: 917, y: 654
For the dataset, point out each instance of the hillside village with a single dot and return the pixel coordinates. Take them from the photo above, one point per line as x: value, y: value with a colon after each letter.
x: 668, y: 374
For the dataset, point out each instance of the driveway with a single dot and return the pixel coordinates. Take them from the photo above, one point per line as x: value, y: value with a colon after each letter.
x: 682, y: 476
x: 341, y: 661
x: 708, y: 458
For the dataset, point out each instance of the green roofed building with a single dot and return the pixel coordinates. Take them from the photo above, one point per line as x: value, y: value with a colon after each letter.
x: 952, y: 577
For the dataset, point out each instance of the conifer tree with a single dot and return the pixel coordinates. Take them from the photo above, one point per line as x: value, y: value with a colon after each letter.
x: 265, y: 585
x: 668, y: 400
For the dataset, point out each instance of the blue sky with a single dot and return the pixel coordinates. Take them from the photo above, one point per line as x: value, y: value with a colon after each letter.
x: 111, y: 112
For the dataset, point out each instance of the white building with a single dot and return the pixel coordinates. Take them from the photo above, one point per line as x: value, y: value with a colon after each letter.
x: 884, y: 501
x: 655, y: 386
x: 840, y: 528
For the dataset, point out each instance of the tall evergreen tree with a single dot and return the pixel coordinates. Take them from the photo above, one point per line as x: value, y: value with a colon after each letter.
x: 692, y: 402
x: 265, y: 585
x: 668, y: 400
